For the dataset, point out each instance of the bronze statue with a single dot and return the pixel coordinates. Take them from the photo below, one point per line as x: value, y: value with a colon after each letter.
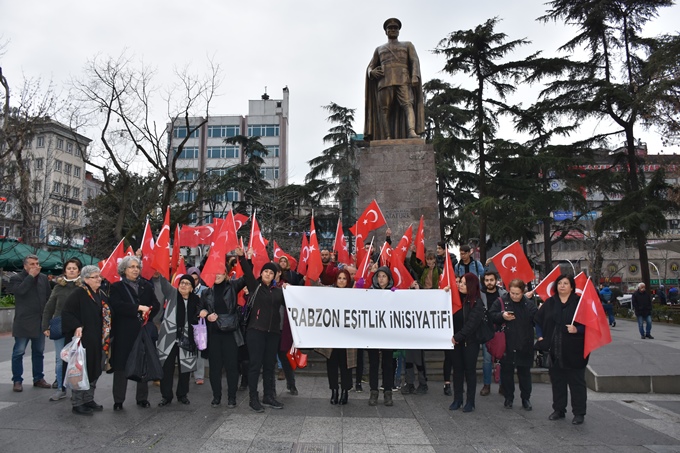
x: 394, y: 92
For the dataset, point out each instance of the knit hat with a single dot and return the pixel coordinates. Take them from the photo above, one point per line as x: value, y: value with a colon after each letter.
x: 188, y: 278
x: 271, y: 266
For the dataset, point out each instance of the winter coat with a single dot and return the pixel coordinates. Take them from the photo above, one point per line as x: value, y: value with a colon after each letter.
x: 423, y: 271
x: 466, y: 321
x: 519, y: 333
x: 266, y: 300
x: 175, y: 317
x: 125, y: 322
x: 61, y: 291
x: 30, y: 297
x: 81, y: 310
x: 230, y: 290
x: 387, y: 271
x: 642, y: 303
x: 566, y: 349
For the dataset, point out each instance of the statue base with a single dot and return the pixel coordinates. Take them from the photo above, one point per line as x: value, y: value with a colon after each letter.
x: 400, y: 175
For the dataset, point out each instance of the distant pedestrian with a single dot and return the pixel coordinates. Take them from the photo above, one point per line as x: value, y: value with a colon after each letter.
x: 642, y: 304
x: 31, y: 291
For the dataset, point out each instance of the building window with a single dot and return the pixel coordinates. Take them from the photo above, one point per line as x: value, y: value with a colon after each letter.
x: 69, y: 147
x: 181, y: 132
x: 263, y: 130
x: 231, y: 195
x: 55, y: 210
x: 90, y: 194
x: 38, y: 164
x: 218, y: 171
x: 64, y: 211
x: 74, y: 214
x: 223, y: 131
x: 76, y: 193
x: 67, y: 190
x: 76, y: 172
x: 222, y: 152
x: 188, y: 152
x: 56, y: 187
x: 272, y: 151
x: 269, y: 172
x: 187, y: 174
x: 37, y: 185
x: 67, y: 169
x: 185, y: 196
x: 40, y: 142
x: 57, y: 165
x: 60, y: 143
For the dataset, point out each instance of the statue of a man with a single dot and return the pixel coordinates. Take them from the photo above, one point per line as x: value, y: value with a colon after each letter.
x: 394, y: 93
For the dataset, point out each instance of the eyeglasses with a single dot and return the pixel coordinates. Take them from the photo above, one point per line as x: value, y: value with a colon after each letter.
x: 95, y: 276
x: 184, y: 283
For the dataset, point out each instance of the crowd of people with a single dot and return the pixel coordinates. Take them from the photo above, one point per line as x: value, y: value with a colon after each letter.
x: 248, y: 332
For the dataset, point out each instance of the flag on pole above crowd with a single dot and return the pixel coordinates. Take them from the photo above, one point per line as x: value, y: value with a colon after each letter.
x: 448, y: 278
x: 420, y: 240
x: 512, y: 263
x: 546, y: 288
x: 340, y: 244
x: 304, y: 256
x: 363, y: 267
x: 314, y: 263
x: 385, y: 255
x: 590, y: 313
x: 371, y: 219
x: 147, y: 252
x: 110, y: 269
x: 278, y: 253
x: 258, y: 244
x: 400, y: 251
x: 161, y: 256
x: 581, y: 279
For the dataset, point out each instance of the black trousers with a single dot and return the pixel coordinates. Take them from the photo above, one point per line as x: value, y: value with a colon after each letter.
x: 360, y: 366
x: 508, y: 380
x: 465, y: 369
x: 169, y: 374
x: 448, y: 364
x: 262, y: 349
x: 561, y: 378
x: 223, y: 355
x: 338, y: 361
x: 387, y: 368
x: 120, y: 382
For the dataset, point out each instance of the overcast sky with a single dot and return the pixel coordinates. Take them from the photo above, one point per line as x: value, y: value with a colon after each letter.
x: 319, y: 49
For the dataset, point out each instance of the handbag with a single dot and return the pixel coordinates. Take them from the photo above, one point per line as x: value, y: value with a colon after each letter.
x: 201, y: 334
x: 496, y: 346
x: 184, y: 342
x: 76, y: 371
x: 290, y: 355
x: 55, y: 328
x: 143, y: 363
x: 247, y: 308
x: 300, y: 359
x: 227, y: 322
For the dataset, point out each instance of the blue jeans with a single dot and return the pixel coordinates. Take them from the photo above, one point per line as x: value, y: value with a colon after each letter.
x: 487, y: 365
x: 37, y: 348
x: 648, y: 320
x: 609, y: 310
x: 58, y: 363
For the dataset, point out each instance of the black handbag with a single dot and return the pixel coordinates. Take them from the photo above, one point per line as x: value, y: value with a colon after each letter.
x: 143, y: 363
x: 55, y: 328
x: 227, y: 322
x: 484, y: 332
x: 184, y: 342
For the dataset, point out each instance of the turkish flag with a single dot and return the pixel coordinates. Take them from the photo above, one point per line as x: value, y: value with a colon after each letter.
x: 161, y: 257
x: 591, y: 314
x: 358, y: 251
x: 258, y: 244
x: 448, y: 278
x: 110, y: 269
x: 304, y: 255
x: 363, y: 267
x: 240, y: 220
x: 224, y: 242
x: 147, y: 252
x: 237, y: 270
x: 340, y: 245
x: 314, y: 263
x: 228, y: 233
x: 512, y: 263
x: 129, y: 251
x: 420, y: 241
x: 370, y: 219
x: 174, y: 262
x: 400, y: 251
x: 402, y: 277
x: 195, y: 236
x: 546, y: 288
x: 581, y: 279
x: 181, y: 270
x: 278, y: 253
x: 385, y: 255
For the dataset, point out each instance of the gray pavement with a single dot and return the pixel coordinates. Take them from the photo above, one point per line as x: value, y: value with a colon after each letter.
x: 308, y: 423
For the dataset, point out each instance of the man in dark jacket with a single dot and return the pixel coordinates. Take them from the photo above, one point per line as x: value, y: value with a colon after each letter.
x: 31, y: 291
x: 642, y: 304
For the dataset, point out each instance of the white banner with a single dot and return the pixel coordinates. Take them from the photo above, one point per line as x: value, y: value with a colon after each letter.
x: 323, y: 317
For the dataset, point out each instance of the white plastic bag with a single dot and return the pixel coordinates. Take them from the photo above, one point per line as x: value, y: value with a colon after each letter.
x: 76, y: 371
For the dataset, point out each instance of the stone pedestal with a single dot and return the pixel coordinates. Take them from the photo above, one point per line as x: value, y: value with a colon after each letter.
x: 400, y: 175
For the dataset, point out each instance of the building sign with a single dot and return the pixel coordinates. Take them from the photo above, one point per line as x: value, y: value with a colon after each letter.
x: 667, y: 281
x: 612, y: 268
x: 674, y: 267
x: 563, y: 215
x: 633, y: 268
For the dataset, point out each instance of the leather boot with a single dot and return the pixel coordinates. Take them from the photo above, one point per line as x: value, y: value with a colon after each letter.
x: 373, y: 398
x: 334, y: 396
x: 485, y: 390
x: 388, y: 398
x: 344, y: 396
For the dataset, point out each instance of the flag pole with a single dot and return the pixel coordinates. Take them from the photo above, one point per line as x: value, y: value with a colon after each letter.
x: 369, y: 251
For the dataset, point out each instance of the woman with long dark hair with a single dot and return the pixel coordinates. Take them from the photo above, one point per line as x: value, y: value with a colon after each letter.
x: 564, y: 339
x: 466, y: 322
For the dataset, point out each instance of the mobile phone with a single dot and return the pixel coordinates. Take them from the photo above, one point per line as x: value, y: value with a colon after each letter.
x: 510, y: 312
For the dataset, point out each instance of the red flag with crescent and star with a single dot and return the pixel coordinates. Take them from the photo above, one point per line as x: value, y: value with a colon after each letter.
x: 385, y: 254
x: 512, y: 263
x: 147, y: 252
x: 448, y: 278
x: 590, y: 313
x: 400, y: 251
x: 546, y: 288
x: 420, y: 240
x: 401, y: 276
x: 258, y: 244
x: 581, y: 279
x: 181, y: 270
x: 304, y: 255
x: 194, y: 236
x: 340, y: 245
x: 314, y: 263
x: 278, y: 253
x: 370, y: 219
x: 161, y: 256
x: 110, y: 269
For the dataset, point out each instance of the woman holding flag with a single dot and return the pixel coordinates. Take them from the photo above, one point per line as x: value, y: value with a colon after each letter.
x: 565, y: 341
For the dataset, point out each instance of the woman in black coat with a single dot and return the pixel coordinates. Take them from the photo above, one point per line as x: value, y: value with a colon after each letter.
x: 129, y: 299
x: 86, y: 315
x: 517, y: 313
x: 466, y: 322
x: 565, y: 340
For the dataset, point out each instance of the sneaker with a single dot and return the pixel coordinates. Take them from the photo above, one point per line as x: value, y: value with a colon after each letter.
x: 256, y: 406
x: 422, y: 389
x: 231, y: 403
x: 215, y: 402
x: 614, y: 324
x: 648, y: 336
x: 199, y: 381
x: 643, y: 337
x: 271, y: 402
x: 58, y: 395
x: 408, y: 389
x: 358, y: 388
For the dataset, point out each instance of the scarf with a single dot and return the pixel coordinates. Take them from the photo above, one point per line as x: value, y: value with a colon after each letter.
x: 106, y: 319
x: 134, y: 284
